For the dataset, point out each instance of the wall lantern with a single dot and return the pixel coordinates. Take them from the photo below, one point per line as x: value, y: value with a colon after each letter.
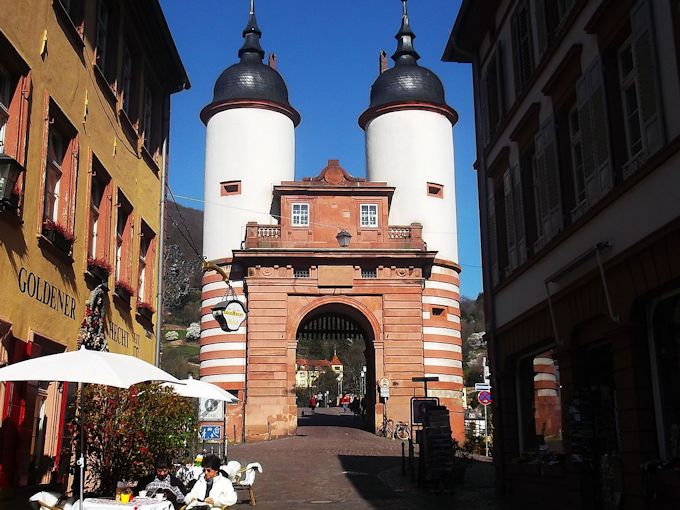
x: 343, y: 238
x: 10, y: 169
x: 229, y: 314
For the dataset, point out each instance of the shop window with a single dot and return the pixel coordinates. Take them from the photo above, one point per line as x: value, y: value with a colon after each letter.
x: 369, y: 215
x: 300, y: 215
x: 230, y: 188
x: 123, y: 239
x: 146, y: 250
x: 100, y: 213
x: 540, y: 403
x: 665, y: 345
x: 61, y: 166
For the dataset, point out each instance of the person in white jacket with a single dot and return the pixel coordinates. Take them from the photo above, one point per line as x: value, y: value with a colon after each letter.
x: 212, y: 488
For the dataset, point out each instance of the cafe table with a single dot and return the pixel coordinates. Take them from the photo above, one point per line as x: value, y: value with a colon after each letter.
x: 137, y: 503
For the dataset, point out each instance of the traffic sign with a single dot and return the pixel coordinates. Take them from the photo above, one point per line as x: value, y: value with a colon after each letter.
x: 211, y: 432
x: 480, y: 386
x: 484, y: 397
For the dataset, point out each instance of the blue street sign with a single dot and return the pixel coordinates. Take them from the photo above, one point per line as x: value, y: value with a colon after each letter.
x: 211, y: 432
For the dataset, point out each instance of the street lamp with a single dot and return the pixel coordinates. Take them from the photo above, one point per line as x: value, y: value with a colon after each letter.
x: 218, y: 314
x: 10, y: 169
x: 343, y: 238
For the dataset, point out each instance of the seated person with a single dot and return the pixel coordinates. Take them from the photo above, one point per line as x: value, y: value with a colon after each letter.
x: 212, y: 488
x: 163, y: 482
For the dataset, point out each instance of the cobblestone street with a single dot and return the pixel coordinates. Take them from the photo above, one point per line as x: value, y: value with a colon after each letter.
x: 333, y: 465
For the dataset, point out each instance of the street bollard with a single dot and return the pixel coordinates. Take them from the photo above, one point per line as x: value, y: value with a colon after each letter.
x: 403, y: 458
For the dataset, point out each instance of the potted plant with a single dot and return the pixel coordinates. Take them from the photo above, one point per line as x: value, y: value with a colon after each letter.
x: 124, y: 290
x: 58, y: 235
x: 145, y: 309
x: 99, y: 268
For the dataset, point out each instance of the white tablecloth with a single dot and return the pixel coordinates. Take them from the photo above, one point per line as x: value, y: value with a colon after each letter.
x: 139, y: 503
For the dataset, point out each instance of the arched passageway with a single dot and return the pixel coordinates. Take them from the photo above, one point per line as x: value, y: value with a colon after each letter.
x: 335, y: 357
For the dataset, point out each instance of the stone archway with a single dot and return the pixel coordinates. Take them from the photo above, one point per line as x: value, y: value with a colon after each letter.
x: 335, y: 316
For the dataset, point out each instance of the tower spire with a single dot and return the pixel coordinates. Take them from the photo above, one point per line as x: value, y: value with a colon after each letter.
x: 406, y: 53
x: 251, y: 49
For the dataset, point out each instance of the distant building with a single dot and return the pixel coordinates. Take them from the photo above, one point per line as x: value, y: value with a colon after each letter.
x: 308, y: 370
x: 578, y: 167
x: 84, y: 116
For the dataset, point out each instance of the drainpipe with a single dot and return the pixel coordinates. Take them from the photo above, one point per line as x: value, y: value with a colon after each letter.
x: 161, y: 237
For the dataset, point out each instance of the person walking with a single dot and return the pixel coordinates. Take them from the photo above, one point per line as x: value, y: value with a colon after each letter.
x: 344, y: 402
x: 312, y: 403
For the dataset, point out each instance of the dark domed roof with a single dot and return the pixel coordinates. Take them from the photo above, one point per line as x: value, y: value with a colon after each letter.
x: 250, y: 79
x: 406, y: 81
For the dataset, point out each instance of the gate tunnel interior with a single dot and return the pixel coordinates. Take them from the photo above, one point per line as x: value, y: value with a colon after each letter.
x: 328, y: 330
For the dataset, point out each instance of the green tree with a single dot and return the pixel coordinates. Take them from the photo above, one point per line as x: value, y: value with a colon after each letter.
x: 126, y: 429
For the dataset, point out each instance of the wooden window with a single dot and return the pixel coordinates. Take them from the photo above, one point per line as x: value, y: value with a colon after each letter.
x: 300, y: 215
x: 106, y: 42
x: 147, y: 127
x: 76, y: 11
x: 128, y: 89
x: 514, y: 217
x: 230, y: 188
x: 435, y: 190
x: 546, y: 182
x: 493, y: 230
x: 124, y: 232
x: 100, y: 213
x: 550, y: 17
x: 522, y: 46
x: 369, y: 215
x: 61, y: 166
x: 145, y: 271
x: 492, y: 100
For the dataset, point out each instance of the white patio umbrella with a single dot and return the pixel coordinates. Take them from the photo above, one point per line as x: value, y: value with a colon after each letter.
x: 194, y: 388
x: 86, y: 366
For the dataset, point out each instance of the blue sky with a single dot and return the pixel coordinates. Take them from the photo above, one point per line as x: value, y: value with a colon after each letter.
x: 327, y: 52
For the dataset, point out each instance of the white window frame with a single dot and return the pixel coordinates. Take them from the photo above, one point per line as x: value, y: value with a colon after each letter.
x: 576, y: 148
x: 95, y: 202
x: 368, y: 215
x: 299, y: 217
x: 56, y: 151
x: 144, y: 245
x: 625, y: 83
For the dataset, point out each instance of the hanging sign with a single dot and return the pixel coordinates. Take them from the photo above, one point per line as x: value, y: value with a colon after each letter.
x: 234, y: 315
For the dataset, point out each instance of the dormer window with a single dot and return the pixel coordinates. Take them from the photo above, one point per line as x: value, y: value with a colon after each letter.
x: 369, y: 215
x: 300, y: 215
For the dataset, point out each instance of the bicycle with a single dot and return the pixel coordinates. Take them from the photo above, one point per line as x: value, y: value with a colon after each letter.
x: 386, y: 429
x: 402, y: 431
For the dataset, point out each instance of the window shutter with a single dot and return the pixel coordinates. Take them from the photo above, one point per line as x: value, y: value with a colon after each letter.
x: 516, y: 71
x: 500, y: 77
x: 644, y: 53
x: 541, y: 26
x: 484, y: 110
x: 583, y: 102
x: 519, y: 213
x: 553, y: 220
x: 493, y: 238
x: 510, y: 229
x: 600, y: 128
x: 540, y: 192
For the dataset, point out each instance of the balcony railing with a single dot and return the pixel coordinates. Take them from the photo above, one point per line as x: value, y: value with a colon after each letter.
x: 391, y: 237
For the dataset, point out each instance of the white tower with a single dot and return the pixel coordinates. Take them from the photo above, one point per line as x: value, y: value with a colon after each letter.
x: 409, y: 145
x: 250, y: 147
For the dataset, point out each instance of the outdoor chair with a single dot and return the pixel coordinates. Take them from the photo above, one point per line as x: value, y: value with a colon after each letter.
x: 246, y: 478
x: 45, y: 500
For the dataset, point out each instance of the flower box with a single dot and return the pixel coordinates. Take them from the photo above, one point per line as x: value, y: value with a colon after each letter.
x: 99, y: 268
x: 124, y: 290
x: 145, y: 309
x: 58, y: 235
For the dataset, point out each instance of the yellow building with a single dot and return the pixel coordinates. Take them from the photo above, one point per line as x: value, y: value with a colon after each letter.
x: 84, y: 113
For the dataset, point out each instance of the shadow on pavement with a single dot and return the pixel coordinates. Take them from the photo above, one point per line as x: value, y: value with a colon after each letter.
x: 329, y: 417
